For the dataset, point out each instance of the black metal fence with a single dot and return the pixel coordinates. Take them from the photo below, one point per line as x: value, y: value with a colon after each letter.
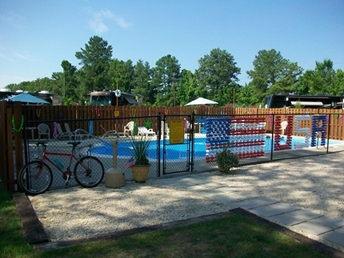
x: 203, y: 135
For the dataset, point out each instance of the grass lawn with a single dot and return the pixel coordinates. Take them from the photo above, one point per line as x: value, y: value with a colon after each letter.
x: 233, y: 236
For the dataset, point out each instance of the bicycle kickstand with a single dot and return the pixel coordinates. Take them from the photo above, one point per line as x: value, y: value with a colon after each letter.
x: 67, y: 180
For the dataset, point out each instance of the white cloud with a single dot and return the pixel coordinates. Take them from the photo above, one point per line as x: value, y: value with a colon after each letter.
x: 100, y: 18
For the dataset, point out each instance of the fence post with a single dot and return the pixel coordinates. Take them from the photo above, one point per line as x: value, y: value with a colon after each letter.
x: 192, y: 122
x: 4, y: 158
x: 158, y: 144
x: 18, y: 119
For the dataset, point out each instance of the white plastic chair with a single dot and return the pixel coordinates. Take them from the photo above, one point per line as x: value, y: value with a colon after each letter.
x: 129, y: 128
x: 43, y: 130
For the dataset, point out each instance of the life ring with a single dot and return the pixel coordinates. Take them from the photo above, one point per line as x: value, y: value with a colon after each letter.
x: 118, y: 93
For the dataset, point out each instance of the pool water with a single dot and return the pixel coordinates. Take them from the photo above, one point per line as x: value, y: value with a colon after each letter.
x: 179, y: 151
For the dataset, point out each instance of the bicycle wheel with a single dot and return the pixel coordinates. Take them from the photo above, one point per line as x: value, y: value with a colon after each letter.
x: 89, y: 171
x: 35, y: 177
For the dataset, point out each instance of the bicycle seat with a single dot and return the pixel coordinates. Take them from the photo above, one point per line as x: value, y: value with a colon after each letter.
x: 74, y: 143
x: 41, y: 143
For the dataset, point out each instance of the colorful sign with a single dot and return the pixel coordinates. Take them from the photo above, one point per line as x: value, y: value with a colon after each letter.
x: 176, y: 131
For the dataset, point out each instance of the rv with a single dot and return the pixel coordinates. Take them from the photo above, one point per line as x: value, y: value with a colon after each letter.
x: 115, y: 98
x: 304, y: 101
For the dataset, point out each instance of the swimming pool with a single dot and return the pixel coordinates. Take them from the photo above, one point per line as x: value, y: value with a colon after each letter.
x: 179, y: 151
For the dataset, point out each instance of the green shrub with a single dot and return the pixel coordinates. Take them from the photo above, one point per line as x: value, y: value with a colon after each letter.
x: 226, y: 160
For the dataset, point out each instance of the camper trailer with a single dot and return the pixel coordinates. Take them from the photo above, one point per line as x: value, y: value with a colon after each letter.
x: 115, y: 98
x: 304, y: 101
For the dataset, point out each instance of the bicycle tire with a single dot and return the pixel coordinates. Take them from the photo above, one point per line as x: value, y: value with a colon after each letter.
x: 30, y: 183
x: 92, y: 175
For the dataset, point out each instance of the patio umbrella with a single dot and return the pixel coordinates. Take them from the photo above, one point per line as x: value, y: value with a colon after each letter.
x: 201, y: 101
x: 27, y: 98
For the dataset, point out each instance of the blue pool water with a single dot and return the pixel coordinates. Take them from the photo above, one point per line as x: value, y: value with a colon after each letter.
x: 178, y: 151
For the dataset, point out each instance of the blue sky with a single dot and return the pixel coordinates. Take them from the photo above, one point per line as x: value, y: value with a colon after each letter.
x: 37, y: 35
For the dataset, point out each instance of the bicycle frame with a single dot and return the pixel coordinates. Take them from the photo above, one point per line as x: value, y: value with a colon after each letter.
x: 45, y: 158
x: 71, y: 156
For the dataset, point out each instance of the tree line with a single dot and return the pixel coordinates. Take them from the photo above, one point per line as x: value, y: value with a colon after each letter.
x: 167, y: 84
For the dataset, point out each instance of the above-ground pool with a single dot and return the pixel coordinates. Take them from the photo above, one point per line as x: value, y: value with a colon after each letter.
x: 179, y: 151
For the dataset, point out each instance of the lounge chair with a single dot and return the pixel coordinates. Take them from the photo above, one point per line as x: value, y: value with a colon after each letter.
x: 108, y: 133
x: 129, y: 128
x: 61, y: 134
x: 141, y: 130
x: 43, y: 129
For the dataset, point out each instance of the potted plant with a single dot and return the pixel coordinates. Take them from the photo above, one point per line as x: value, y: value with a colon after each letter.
x: 140, y: 169
x: 226, y: 160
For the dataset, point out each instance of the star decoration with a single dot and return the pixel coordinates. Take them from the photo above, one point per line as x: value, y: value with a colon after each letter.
x: 148, y: 123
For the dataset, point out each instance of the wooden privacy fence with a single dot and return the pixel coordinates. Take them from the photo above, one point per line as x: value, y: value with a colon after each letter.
x: 12, y: 115
x: 115, y: 118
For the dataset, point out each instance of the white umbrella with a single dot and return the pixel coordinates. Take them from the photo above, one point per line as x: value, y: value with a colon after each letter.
x: 201, y: 101
x: 27, y: 98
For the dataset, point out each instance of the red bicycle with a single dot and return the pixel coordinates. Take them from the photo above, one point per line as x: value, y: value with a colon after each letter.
x: 36, y: 176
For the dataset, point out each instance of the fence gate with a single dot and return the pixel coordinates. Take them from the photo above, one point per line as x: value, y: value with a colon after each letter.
x: 176, y: 149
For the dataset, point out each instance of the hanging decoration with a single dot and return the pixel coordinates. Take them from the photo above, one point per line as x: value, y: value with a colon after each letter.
x: 90, y: 126
x: 55, y: 130
x: 38, y: 112
x: 17, y: 130
x: 148, y: 124
x: 97, y: 112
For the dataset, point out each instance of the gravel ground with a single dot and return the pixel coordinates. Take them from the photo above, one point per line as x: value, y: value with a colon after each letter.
x: 313, y: 183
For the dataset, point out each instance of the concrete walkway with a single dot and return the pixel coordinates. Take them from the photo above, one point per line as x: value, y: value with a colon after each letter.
x: 328, y: 230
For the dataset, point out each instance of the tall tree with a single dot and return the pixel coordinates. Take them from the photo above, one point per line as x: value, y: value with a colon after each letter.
x: 273, y: 74
x: 187, y: 90
x: 95, y: 60
x: 69, y: 81
x: 326, y: 75
x: 289, y: 82
x: 122, y: 74
x: 141, y: 82
x: 165, y: 79
x: 339, y: 82
x: 217, y: 76
x: 58, y: 78
x: 322, y: 80
x: 245, y: 96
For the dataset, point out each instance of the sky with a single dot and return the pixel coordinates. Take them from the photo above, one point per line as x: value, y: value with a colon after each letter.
x: 37, y: 35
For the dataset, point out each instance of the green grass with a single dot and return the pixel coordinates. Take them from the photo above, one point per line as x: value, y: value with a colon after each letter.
x: 233, y: 236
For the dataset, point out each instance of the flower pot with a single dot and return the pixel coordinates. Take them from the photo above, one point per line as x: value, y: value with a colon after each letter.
x: 140, y: 173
